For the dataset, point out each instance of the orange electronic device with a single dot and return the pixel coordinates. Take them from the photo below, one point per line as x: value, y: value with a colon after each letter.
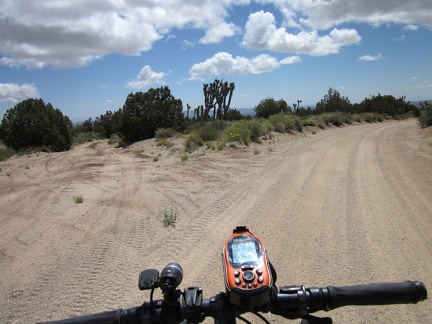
x: 248, y: 275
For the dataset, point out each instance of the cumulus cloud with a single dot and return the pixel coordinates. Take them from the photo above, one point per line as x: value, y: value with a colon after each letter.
x: 146, y: 78
x: 218, y: 33
x: 225, y: 63
x: 12, y: 92
x: 262, y: 33
x: 69, y: 34
x: 371, y: 58
x: 325, y: 14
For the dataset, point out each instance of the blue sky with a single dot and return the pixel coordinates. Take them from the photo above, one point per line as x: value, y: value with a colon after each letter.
x: 86, y: 56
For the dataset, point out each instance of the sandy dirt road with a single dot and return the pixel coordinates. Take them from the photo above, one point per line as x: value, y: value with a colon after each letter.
x: 345, y: 206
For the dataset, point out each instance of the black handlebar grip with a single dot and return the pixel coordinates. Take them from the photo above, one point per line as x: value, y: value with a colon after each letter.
x: 123, y: 316
x: 407, y: 292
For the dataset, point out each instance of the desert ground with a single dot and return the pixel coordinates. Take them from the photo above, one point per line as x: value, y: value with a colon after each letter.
x: 348, y: 205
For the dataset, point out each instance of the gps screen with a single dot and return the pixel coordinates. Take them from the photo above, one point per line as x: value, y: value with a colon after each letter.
x: 244, y: 250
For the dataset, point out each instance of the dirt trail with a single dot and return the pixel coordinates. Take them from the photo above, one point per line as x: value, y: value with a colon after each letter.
x: 345, y: 206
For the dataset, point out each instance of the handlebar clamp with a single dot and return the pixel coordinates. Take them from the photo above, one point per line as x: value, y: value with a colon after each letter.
x: 191, y: 304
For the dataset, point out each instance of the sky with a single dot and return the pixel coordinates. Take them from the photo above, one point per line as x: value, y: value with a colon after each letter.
x: 85, y: 56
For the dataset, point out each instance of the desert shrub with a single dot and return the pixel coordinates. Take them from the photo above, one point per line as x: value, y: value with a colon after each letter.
x: 279, y: 127
x: 256, y: 129
x: 209, y: 132
x: 291, y: 122
x: 193, y: 141
x: 238, y: 131
x: 164, y: 142
x: 211, y: 145
x: 267, y: 126
x: 6, y: 153
x: 116, y: 139
x: 308, y: 122
x: 80, y: 138
x: 369, y: 117
x: 165, y: 133
x: 425, y: 119
x: 356, y: 118
x: 298, y: 124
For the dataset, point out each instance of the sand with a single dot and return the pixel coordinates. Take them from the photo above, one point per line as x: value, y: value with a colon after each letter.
x: 344, y: 206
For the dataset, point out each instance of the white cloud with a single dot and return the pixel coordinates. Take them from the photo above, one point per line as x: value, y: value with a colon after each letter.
x: 70, y: 33
x: 371, y: 58
x: 324, y: 14
x: 219, y: 32
x: 73, y: 33
x: 225, y: 63
x: 262, y: 33
x: 146, y: 78
x: 411, y: 27
x: 12, y: 92
x: 291, y: 60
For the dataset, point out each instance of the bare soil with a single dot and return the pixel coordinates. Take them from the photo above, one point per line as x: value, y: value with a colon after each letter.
x: 344, y: 206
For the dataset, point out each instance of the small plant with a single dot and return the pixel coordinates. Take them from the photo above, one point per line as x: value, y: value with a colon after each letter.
x: 256, y: 151
x: 169, y: 217
x: 156, y: 157
x: 164, y: 142
x: 93, y: 145
x: 78, y: 199
x: 164, y: 133
x: 184, y: 157
x: 211, y: 145
x: 221, y: 145
x: 193, y: 141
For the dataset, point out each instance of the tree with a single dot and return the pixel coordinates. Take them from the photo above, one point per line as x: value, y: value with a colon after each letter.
x: 31, y: 123
x: 269, y: 106
x: 332, y: 102
x: 108, y: 124
x: 385, y: 104
x: 144, y: 112
x: 217, y: 96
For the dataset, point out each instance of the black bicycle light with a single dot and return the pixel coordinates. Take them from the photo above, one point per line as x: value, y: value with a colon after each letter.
x: 170, y: 277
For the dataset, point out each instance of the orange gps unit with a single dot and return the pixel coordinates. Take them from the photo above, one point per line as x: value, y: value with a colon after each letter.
x: 248, y: 276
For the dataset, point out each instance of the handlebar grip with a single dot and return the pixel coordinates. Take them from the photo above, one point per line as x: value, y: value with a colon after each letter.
x: 119, y: 316
x: 407, y: 292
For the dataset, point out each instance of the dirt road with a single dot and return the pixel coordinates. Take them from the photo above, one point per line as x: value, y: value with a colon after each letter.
x: 345, y: 206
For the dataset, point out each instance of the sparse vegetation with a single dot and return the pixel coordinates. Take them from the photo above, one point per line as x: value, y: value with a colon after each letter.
x: 184, y: 157
x: 425, y: 118
x: 78, y: 199
x: 169, y: 217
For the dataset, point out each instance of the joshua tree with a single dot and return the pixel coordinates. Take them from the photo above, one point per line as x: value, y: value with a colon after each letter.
x: 217, y: 96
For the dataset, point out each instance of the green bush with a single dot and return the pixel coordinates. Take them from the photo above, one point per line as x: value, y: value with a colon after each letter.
x: 6, y: 153
x: 165, y: 133
x: 369, y: 117
x: 32, y: 123
x: 208, y: 132
x: 308, y: 122
x: 356, y: 118
x: 193, y: 141
x: 279, y: 127
x: 238, y: 131
x: 425, y: 119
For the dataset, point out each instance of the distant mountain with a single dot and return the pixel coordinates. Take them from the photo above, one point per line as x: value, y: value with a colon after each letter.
x: 417, y: 103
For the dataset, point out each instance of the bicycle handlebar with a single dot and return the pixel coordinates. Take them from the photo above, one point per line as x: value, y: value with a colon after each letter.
x: 290, y: 302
